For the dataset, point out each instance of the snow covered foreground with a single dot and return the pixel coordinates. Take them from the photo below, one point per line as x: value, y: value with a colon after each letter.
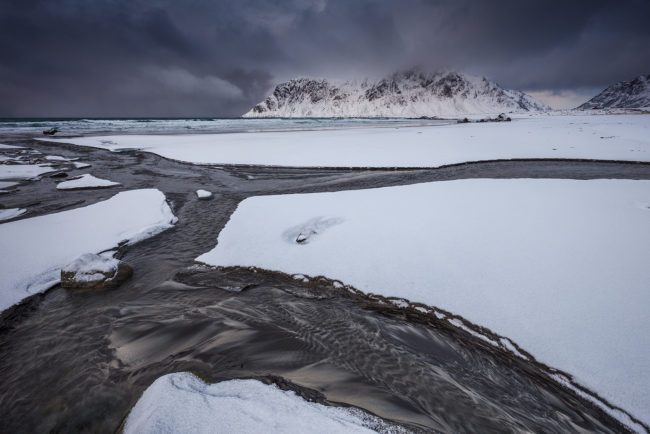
x: 561, y: 267
x: 34, y: 250
x: 182, y: 403
x: 605, y: 137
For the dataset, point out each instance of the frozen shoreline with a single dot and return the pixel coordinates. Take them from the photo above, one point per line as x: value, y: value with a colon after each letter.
x: 604, y: 137
x: 558, y: 266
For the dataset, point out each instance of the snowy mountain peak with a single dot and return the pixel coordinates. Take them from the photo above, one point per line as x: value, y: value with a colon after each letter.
x: 404, y: 94
x: 624, y: 94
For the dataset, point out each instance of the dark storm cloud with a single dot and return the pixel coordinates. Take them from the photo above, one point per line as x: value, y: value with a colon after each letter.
x: 217, y: 58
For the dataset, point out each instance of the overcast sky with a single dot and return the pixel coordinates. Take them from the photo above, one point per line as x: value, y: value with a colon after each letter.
x: 220, y: 57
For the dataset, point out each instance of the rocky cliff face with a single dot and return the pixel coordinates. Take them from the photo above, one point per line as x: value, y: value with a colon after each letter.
x: 624, y: 94
x: 409, y: 94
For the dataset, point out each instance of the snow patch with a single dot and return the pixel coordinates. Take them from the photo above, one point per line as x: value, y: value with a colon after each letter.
x: 85, y: 181
x: 23, y: 171
x: 182, y: 403
x: 203, y: 194
x: 6, y: 214
x: 58, y: 158
x: 6, y: 184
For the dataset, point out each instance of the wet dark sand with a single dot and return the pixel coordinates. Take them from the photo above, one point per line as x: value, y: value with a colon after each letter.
x: 78, y: 361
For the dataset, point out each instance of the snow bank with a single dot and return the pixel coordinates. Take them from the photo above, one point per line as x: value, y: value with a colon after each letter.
x: 182, y: 403
x: 85, y: 181
x: 6, y: 184
x: 614, y: 137
x: 561, y: 267
x: 23, y: 171
x: 34, y: 250
x: 9, y: 147
x: 79, y: 165
x: 6, y: 214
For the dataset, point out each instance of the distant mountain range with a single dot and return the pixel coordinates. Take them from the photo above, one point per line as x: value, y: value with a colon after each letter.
x: 405, y: 94
x: 624, y: 94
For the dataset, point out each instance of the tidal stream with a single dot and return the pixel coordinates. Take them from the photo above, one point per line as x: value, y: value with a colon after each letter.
x: 78, y: 361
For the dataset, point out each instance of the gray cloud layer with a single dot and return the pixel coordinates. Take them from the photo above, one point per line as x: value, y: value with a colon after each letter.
x: 218, y: 58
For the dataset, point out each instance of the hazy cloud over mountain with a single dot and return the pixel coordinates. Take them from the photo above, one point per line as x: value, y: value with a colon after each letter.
x: 218, y: 58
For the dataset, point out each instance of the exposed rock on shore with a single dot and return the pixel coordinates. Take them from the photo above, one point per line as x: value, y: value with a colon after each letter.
x: 91, y: 271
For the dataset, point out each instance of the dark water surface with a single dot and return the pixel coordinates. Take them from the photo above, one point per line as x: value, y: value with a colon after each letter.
x: 78, y: 361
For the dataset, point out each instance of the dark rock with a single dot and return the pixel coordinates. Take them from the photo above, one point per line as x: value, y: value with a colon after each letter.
x: 51, y: 132
x: 59, y: 175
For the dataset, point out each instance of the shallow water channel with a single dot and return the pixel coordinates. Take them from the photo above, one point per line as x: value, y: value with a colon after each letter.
x: 78, y: 361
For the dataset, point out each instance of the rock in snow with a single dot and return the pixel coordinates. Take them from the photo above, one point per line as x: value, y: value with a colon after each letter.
x: 625, y: 94
x: 95, y: 271
x: 182, y: 403
x: 407, y: 94
x: 203, y: 194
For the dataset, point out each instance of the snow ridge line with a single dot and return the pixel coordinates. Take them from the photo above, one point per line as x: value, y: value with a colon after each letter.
x: 435, y: 316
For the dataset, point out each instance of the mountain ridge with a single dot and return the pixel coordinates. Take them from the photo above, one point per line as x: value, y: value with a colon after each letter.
x: 634, y: 93
x: 402, y: 94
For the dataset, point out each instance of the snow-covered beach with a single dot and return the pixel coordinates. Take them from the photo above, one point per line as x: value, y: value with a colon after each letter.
x: 554, y: 266
x: 624, y: 137
x: 324, y: 216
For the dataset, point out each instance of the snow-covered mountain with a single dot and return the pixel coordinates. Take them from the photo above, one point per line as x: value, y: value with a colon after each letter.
x: 624, y: 94
x: 406, y: 94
